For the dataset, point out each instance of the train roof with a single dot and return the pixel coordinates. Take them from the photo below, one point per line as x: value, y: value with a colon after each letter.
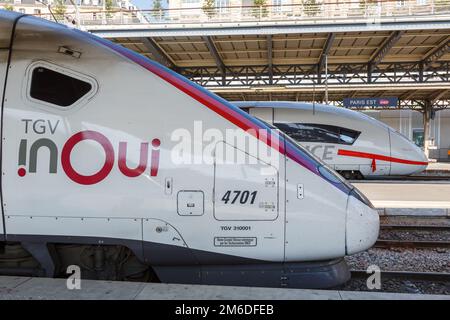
x: 305, y: 106
x: 292, y: 105
x: 7, y: 19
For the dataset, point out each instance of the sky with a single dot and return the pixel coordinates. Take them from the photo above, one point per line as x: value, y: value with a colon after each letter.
x: 147, y: 4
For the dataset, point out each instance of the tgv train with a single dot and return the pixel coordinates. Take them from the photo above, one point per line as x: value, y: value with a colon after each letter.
x: 354, y: 144
x: 114, y: 164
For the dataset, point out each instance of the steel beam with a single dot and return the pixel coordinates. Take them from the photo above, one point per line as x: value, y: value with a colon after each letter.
x: 434, y: 54
x: 215, y: 54
x: 408, y: 95
x: 382, y: 51
x: 305, y: 75
x: 387, y: 45
x: 433, y: 98
x: 157, y: 53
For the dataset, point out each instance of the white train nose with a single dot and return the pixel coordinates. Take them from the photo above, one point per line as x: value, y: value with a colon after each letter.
x: 421, y: 157
x: 362, y: 225
x: 409, y: 158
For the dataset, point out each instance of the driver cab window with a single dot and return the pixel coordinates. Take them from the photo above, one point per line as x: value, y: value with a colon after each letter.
x: 54, y: 86
x: 310, y: 132
x: 57, y: 88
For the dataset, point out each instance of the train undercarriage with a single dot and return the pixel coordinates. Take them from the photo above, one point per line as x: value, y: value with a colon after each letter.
x: 119, y: 263
x: 351, y: 174
x: 96, y: 262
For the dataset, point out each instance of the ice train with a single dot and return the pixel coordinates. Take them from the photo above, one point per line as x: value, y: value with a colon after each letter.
x: 103, y: 167
x: 350, y: 142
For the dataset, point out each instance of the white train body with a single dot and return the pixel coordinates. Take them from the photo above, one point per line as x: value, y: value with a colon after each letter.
x: 87, y: 158
x: 351, y: 142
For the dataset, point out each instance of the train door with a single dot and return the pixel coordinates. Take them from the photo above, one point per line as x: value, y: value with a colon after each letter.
x: 3, y: 65
x: 5, y: 38
x: 247, y: 204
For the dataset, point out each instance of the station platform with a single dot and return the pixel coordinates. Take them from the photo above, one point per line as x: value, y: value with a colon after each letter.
x: 438, y: 167
x: 26, y: 288
x: 397, y: 198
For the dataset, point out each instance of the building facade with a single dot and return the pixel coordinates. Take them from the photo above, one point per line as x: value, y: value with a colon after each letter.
x: 65, y: 12
x: 211, y: 9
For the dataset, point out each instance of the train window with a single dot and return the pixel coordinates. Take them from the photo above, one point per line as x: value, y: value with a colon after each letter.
x: 310, y: 132
x: 57, y: 88
x: 347, y: 136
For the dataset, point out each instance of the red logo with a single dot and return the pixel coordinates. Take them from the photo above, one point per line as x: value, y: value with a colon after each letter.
x: 108, y: 165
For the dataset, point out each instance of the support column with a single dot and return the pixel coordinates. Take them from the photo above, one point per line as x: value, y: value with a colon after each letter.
x: 270, y: 58
x: 421, y: 69
x: 426, y: 127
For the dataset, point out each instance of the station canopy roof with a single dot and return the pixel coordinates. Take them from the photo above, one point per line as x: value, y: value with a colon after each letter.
x: 407, y: 57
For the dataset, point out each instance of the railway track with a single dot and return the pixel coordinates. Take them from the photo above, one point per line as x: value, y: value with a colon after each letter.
x: 415, y: 244
x: 400, y: 227
x: 406, y: 275
x: 415, y: 178
x: 414, y: 235
x: 392, y: 243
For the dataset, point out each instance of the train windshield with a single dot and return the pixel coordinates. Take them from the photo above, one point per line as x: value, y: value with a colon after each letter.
x: 307, y: 154
x: 312, y: 157
x: 325, y: 171
x: 313, y: 132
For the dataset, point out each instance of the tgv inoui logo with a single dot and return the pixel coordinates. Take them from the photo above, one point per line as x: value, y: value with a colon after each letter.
x: 31, y: 153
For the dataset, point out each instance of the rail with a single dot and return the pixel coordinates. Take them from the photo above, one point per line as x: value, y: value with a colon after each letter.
x: 408, y: 275
x: 399, y: 227
x: 411, y: 244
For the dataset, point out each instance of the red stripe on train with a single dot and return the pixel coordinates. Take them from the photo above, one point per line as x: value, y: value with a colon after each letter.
x: 374, y: 156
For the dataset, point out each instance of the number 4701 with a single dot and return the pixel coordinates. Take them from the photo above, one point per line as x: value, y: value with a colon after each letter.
x: 243, y: 196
